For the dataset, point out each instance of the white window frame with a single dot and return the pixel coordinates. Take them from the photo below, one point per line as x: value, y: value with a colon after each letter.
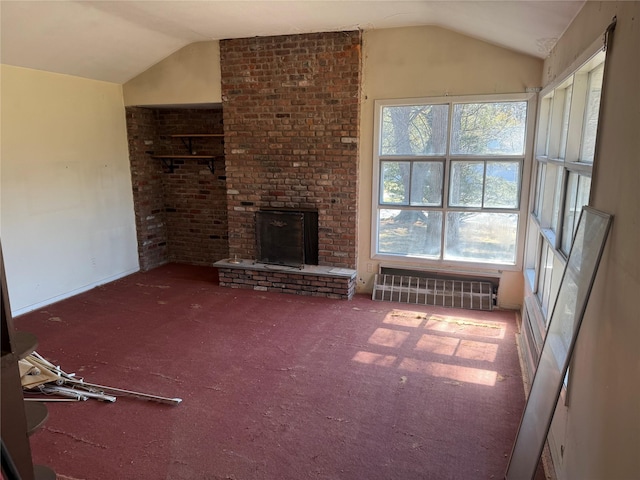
x: 525, y: 177
x: 555, y: 155
x: 556, y: 158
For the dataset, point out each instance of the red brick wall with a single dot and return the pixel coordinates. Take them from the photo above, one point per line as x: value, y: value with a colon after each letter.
x: 291, y: 118
x: 146, y: 177
x: 188, y: 205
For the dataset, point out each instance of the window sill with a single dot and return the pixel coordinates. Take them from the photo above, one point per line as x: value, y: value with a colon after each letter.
x: 487, y: 269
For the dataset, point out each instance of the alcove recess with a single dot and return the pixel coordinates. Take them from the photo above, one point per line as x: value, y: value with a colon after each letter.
x: 178, y: 175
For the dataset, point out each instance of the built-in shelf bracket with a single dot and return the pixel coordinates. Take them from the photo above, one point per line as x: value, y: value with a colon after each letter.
x: 168, y: 160
x: 168, y: 163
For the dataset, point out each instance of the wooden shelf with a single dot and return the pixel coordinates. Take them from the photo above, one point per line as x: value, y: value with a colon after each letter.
x: 208, y: 157
x: 168, y: 160
x: 188, y: 135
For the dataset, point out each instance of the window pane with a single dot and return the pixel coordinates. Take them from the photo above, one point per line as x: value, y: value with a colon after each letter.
x: 545, y: 272
x: 426, y: 183
x: 414, y: 130
x: 410, y: 232
x: 557, y: 198
x: 481, y: 237
x: 565, y: 121
x: 465, y: 188
x: 489, y: 128
x: 394, y: 182
x: 578, y: 188
x: 540, y: 184
x: 569, y: 212
x: 592, y: 111
x: 547, y: 142
x: 502, y: 184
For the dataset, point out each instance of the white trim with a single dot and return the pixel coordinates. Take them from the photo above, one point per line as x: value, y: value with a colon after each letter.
x: 525, y: 177
x: 72, y: 293
x: 592, y: 50
x: 492, y: 98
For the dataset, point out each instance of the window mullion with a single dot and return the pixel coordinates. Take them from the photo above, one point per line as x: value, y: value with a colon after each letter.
x: 411, y: 174
x: 484, y: 180
x: 447, y: 184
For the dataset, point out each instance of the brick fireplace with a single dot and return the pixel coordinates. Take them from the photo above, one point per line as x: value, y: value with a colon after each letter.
x: 290, y: 116
x: 291, y: 119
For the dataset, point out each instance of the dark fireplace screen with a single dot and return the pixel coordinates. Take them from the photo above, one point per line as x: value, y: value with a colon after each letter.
x: 280, y: 238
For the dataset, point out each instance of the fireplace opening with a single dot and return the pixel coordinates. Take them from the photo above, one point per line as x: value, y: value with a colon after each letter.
x: 287, y: 237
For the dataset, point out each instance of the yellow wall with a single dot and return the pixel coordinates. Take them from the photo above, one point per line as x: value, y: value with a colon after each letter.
x: 602, y: 422
x: 422, y: 62
x: 190, y: 75
x: 67, y: 218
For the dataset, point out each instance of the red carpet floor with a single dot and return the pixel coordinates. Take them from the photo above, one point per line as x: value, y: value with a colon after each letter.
x: 276, y: 386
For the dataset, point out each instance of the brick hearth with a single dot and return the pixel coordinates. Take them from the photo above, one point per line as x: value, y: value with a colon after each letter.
x: 311, y: 280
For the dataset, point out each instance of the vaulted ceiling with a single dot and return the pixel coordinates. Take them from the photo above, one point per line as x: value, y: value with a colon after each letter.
x: 116, y: 40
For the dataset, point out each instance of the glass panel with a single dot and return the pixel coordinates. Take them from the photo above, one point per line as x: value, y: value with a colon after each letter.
x: 426, y: 183
x: 502, y: 185
x: 544, y: 278
x: 565, y: 121
x: 465, y: 189
x: 569, y: 212
x: 542, y: 171
x: 548, y: 132
x: 394, y: 182
x: 414, y: 130
x: 578, y: 189
x: 592, y: 111
x: 557, y: 199
x: 481, y: 237
x: 410, y: 232
x: 489, y: 128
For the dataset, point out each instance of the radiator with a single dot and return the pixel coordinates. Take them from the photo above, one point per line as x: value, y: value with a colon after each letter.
x: 463, y: 293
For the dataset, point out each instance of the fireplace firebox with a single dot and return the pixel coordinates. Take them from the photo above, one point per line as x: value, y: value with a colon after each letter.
x: 287, y: 237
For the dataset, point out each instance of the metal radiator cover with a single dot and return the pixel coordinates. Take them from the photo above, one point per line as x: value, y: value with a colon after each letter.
x: 469, y: 294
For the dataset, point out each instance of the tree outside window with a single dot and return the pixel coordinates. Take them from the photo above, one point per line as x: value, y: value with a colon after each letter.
x: 473, y: 151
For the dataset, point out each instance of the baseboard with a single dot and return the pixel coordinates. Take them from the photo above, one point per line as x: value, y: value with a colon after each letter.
x: 72, y: 293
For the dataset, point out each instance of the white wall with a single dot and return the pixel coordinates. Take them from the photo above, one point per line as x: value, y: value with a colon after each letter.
x: 190, y: 75
x: 423, y: 62
x: 601, y: 424
x: 67, y: 220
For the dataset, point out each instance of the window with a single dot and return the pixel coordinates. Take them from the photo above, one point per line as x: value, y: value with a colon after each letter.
x: 449, y: 179
x: 565, y: 151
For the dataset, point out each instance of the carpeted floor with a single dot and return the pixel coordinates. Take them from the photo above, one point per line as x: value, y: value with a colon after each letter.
x: 276, y: 386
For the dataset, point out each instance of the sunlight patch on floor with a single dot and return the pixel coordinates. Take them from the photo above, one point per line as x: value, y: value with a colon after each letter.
x: 469, y: 349
x: 388, y: 338
x: 453, y: 372
x: 455, y: 336
x: 371, y: 358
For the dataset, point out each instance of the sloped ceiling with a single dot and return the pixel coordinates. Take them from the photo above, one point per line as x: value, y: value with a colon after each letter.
x: 116, y: 40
